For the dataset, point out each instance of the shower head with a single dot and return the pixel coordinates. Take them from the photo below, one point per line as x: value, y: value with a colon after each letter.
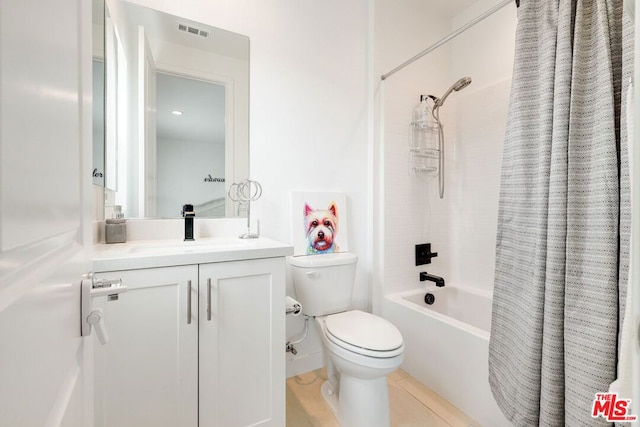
x: 459, y: 85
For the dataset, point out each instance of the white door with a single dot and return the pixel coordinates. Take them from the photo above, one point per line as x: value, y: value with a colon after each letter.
x: 45, y: 211
x: 147, y: 374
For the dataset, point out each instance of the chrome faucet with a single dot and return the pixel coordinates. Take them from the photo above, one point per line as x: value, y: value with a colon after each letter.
x: 439, y: 281
x: 188, y: 214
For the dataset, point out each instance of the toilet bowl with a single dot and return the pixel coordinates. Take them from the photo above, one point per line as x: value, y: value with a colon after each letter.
x: 363, y: 339
x: 358, y: 362
x: 360, y: 348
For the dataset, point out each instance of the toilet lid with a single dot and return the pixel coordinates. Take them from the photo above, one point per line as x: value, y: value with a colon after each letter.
x: 363, y: 330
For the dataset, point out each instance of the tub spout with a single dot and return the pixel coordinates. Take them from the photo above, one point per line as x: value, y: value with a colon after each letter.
x: 439, y: 281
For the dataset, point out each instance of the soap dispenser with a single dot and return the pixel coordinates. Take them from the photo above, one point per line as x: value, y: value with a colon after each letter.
x: 116, y: 228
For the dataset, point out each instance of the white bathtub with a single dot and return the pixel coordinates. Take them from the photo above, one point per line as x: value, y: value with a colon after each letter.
x: 447, y: 346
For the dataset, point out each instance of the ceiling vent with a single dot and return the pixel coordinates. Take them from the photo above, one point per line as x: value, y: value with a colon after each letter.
x: 193, y: 30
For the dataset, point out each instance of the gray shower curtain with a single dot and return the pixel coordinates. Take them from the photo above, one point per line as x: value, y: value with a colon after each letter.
x: 563, y: 222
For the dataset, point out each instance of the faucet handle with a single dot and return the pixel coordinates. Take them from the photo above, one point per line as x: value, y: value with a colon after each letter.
x: 187, y: 210
x: 424, y: 254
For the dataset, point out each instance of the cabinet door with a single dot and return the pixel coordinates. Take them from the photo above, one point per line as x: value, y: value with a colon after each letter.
x: 147, y: 374
x: 242, y: 339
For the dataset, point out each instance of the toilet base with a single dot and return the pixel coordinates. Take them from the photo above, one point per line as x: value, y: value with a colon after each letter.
x: 330, y: 397
x: 361, y: 402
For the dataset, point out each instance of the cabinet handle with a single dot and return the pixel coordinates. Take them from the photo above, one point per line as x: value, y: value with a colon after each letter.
x: 188, y: 302
x: 208, y: 299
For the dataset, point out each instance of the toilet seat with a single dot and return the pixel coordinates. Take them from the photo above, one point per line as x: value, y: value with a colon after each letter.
x: 364, y: 333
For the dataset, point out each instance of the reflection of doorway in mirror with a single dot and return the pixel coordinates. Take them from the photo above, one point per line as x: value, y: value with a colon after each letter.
x: 98, y: 122
x: 190, y: 131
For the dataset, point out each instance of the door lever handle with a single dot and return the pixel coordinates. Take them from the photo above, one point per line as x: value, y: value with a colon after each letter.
x: 106, y: 283
x: 101, y: 287
x: 114, y: 288
x: 96, y: 319
x: 90, y: 317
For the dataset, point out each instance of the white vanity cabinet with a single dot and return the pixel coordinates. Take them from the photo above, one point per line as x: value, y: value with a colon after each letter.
x: 216, y: 362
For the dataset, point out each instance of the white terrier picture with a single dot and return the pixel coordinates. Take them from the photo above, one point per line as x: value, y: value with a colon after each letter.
x: 321, y: 227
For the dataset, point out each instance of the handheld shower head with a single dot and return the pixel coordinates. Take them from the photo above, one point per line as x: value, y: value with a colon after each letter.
x: 459, y: 85
x: 462, y: 83
x: 437, y: 103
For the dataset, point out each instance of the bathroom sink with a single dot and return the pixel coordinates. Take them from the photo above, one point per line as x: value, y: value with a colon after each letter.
x: 169, y: 252
x: 205, y: 245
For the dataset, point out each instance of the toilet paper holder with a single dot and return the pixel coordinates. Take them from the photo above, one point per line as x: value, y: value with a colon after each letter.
x: 292, y: 306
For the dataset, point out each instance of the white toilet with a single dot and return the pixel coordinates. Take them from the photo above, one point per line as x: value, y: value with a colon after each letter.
x: 361, y: 349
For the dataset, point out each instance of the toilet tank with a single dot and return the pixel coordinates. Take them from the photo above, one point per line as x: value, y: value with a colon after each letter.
x: 323, y: 283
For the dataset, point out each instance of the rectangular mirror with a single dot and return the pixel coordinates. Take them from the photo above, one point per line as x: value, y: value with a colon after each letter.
x: 178, y: 132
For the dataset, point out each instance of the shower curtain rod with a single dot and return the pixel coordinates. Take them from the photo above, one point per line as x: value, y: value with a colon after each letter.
x: 450, y: 36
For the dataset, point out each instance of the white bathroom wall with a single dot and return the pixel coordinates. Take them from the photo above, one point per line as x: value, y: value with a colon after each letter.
x: 309, y: 114
x: 461, y: 226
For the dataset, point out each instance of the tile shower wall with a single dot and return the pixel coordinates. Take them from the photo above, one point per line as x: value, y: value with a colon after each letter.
x: 401, y: 30
x: 461, y: 226
x: 473, y: 192
x: 479, y: 120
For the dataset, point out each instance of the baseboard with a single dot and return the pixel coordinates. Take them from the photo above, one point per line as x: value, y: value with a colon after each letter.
x: 299, y: 364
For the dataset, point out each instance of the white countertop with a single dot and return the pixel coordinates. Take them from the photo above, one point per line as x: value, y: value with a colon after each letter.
x: 165, y: 253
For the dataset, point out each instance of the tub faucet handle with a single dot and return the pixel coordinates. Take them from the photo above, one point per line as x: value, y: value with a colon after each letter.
x: 424, y: 254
